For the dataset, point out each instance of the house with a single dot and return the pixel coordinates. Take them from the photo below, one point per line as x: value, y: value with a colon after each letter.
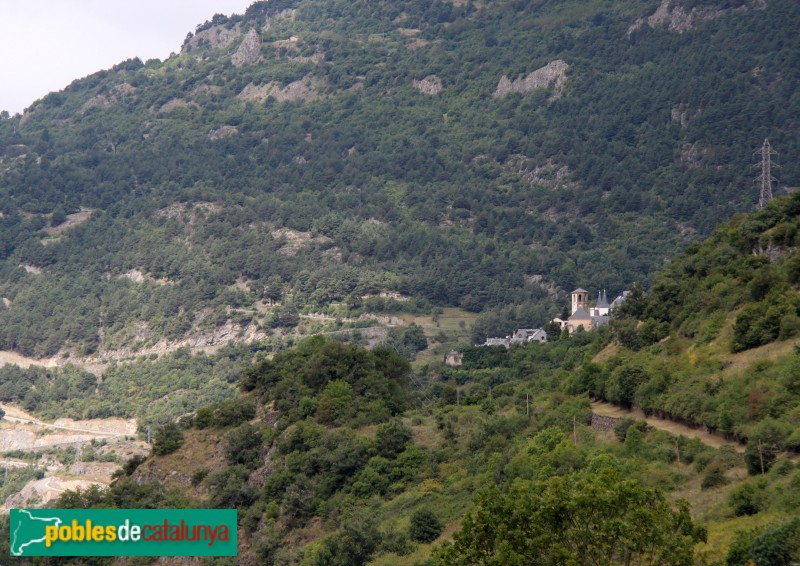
x: 520, y: 336
x: 453, y: 358
x: 620, y: 299
x: 524, y: 335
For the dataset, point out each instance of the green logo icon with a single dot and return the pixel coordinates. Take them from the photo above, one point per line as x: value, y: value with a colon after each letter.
x: 123, y: 532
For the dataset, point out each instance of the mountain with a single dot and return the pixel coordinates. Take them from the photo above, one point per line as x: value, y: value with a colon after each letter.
x: 345, y: 157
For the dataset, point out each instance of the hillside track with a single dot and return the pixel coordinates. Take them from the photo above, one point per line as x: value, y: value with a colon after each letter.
x: 605, y: 409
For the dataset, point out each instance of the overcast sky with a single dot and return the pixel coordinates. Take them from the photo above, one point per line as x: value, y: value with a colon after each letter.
x: 46, y: 44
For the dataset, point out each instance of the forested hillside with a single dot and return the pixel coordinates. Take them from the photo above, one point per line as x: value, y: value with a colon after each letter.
x: 714, y: 342
x: 334, y: 454
x: 311, y: 154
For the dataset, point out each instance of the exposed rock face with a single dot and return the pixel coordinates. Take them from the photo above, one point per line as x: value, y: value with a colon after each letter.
x: 206, y: 90
x: 549, y: 174
x: 416, y: 43
x: 307, y: 88
x: 682, y: 115
x: 118, y: 93
x: 553, y: 75
x: 218, y: 37
x: 98, y: 101
x: 692, y: 155
x: 249, y: 52
x: 176, y: 103
x: 225, y: 131
x: 31, y: 268
x: 676, y: 19
x: 430, y: 85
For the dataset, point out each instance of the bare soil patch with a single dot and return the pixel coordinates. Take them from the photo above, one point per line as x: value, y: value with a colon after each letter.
x: 71, y: 221
x: 23, y: 361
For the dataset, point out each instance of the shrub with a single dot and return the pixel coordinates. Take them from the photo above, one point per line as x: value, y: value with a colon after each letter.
x: 745, y: 500
x: 336, y: 404
x: 622, y: 384
x: 714, y: 478
x: 758, y: 458
x: 231, y: 412
x: 130, y: 466
x: 425, y: 526
x: 776, y: 545
x: 199, y: 475
x: 244, y: 445
x: 168, y: 439
x: 392, y: 438
x: 397, y: 542
x: 621, y: 428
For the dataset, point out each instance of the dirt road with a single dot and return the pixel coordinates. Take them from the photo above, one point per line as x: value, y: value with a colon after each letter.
x: 101, y: 427
x: 714, y: 440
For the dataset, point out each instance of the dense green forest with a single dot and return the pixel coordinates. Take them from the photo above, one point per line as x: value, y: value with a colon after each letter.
x: 311, y: 169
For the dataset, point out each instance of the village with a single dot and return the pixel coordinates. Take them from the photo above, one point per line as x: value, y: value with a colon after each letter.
x: 581, y: 316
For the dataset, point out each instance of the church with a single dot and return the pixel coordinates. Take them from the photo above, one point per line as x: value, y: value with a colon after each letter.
x: 586, y: 317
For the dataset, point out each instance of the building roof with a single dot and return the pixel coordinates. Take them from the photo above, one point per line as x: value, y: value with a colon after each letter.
x: 539, y: 332
x: 620, y: 299
x: 580, y: 290
x: 581, y: 313
x: 602, y: 301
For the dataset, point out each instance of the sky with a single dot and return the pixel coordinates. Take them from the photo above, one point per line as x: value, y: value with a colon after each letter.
x: 46, y: 44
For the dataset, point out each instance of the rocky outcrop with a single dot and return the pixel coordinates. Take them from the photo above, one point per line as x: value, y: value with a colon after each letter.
x: 294, y: 240
x: 249, y: 52
x: 177, y: 103
x: 553, y: 76
x: 307, y: 88
x: 225, y: 131
x: 676, y: 19
x: 217, y: 37
x: 206, y: 90
x: 692, y: 155
x: 682, y: 115
x: 98, y: 101
x: 430, y: 85
x: 548, y: 173
x: 118, y: 93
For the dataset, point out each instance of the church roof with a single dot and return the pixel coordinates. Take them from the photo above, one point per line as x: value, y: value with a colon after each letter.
x: 580, y: 313
x: 580, y: 290
x: 602, y: 301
